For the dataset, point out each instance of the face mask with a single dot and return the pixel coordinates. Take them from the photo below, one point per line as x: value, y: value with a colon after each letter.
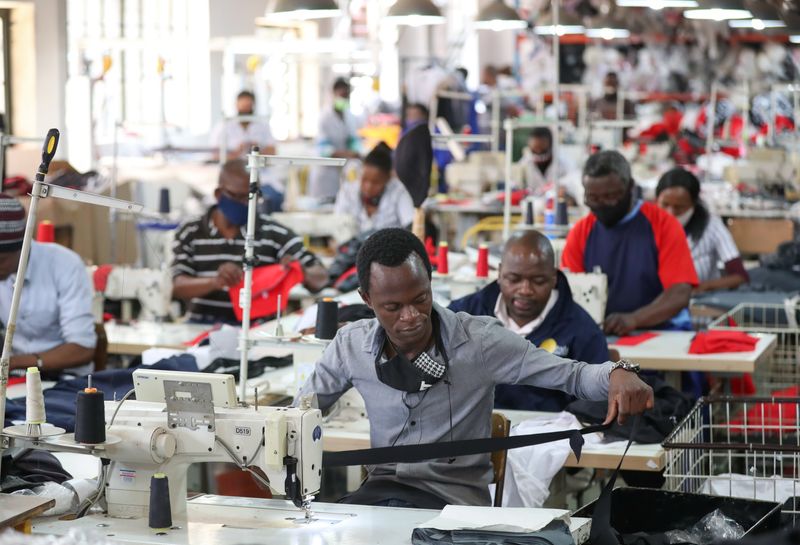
x: 341, y: 104
x: 685, y: 217
x: 413, y: 376
x: 542, y: 158
x: 612, y: 215
x: 245, y: 112
x: 234, y: 211
x: 609, y: 90
x: 373, y: 201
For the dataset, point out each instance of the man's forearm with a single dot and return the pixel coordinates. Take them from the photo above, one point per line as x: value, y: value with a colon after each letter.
x: 663, y: 307
x: 61, y: 357
x: 187, y: 287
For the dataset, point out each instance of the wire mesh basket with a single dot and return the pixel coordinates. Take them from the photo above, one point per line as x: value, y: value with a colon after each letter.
x: 743, y: 447
x: 781, y: 370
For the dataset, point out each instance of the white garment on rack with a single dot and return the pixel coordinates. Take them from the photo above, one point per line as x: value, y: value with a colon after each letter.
x: 734, y: 485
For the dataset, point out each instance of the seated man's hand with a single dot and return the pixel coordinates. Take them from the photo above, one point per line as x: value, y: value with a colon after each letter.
x: 228, y: 275
x: 627, y: 395
x: 619, y: 324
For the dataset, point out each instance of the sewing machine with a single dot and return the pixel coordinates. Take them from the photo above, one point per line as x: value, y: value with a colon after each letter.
x: 181, y: 418
x: 151, y: 287
x: 590, y: 291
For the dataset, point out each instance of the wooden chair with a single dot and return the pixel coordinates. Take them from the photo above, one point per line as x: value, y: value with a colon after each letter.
x: 501, y: 427
x: 101, y: 348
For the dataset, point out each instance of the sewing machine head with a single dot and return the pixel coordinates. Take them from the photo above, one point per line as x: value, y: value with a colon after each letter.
x: 198, y: 420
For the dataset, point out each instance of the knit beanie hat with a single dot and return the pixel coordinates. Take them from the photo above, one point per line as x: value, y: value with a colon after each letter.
x: 12, y: 224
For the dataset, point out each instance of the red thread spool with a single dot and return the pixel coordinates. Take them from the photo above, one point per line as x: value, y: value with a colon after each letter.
x: 46, y: 232
x: 482, y: 268
x: 442, y: 264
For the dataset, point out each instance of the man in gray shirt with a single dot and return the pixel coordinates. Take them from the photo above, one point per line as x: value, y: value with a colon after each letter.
x: 427, y: 374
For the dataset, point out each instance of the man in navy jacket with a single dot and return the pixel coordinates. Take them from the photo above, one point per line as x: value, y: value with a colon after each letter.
x: 532, y: 298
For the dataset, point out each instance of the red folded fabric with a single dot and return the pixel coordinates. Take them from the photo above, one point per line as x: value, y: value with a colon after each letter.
x: 717, y: 342
x: 516, y: 196
x: 770, y: 418
x: 197, y: 340
x: 269, y: 281
x: 634, y: 340
x: 100, y: 277
x: 743, y: 386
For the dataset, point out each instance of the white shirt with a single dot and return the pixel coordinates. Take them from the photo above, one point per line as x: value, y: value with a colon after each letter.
x: 335, y: 133
x: 501, y: 313
x: 714, y: 248
x: 562, y: 168
x: 395, y: 209
x: 257, y: 133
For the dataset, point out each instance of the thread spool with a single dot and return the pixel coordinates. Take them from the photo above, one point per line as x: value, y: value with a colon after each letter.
x: 327, y: 319
x: 163, y: 201
x: 562, y: 217
x: 34, y: 398
x: 482, y: 268
x: 443, y: 266
x: 46, y: 232
x: 90, y: 422
x: 160, y: 512
x: 530, y: 217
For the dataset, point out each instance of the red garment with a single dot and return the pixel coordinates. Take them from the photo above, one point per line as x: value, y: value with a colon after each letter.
x: 716, y: 342
x: 269, y: 281
x: 100, y: 277
x: 347, y: 274
x: 770, y: 418
x: 516, y: 196
x: 635, y: 340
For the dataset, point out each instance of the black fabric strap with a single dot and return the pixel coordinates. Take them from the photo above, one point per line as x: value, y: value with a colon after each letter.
x: 407, y: 454
x: 602, y: 533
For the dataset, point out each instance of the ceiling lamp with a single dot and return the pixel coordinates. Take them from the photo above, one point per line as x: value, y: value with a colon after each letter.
x: 293, y: 10
x: 719, y: 10
x: 657, y: 4
x: 498, y: 16
x: 567, y: 24
x: 764, y: 16
x: 415, y: 13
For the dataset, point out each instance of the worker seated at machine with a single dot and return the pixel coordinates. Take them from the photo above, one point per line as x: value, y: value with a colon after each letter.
x: 606, y: 106
x: 532, y: 298
x: 678, y: 192
x: 541, y: 167
x: 641, y: 248
x: 428, y: 374
x: 208, y: 251
x: 378, y: 200
x: 55, y: 326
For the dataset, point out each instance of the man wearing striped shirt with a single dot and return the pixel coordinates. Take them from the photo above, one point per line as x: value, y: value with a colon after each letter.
x: 208, y: 251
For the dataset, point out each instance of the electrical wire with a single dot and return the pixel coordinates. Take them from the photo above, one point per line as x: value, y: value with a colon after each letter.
x: 82, y: 510
x: 242, y: 465
x: 121, y: 401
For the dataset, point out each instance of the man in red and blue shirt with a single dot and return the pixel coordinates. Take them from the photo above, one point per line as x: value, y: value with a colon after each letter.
x: 641, y: 248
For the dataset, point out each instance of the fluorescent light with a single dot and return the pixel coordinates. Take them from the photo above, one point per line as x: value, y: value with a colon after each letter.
x: 756, y: 24
x: 795, y: 39
x: 607, y: 33
x: 719, y: 10
x: 657, y: 4
x: 547, y: 30
x: 498, y: 16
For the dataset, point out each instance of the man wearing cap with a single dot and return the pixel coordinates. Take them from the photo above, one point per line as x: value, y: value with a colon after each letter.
x: 208, y: 251
x: 532, y: 298
x: 55, y: 327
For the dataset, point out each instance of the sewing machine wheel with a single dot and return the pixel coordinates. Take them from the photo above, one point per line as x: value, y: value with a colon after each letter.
x: 21, y: 430
x: 69, y: 440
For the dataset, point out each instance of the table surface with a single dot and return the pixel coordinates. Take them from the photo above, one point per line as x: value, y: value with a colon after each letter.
x: 133, y: 339
x: 222, y: 520
x: 15, y: 509
x: 669, y: 351
x: 354, y: 434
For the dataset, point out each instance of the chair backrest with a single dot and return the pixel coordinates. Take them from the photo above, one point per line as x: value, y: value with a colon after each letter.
x: 501, y: 427
x: 101, y: 348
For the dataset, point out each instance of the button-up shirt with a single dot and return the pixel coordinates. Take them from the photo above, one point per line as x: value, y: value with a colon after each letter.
x: 56, y: 304
x: 482, y: 354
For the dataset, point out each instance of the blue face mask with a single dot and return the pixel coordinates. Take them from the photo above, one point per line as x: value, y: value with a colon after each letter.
x: 234, y: 211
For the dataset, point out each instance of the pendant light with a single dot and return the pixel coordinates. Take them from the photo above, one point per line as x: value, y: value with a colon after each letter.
x: 498, y: 16
x: 415, y: 13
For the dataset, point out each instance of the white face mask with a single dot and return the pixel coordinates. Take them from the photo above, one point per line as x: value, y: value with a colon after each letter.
x: 685, y: 217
